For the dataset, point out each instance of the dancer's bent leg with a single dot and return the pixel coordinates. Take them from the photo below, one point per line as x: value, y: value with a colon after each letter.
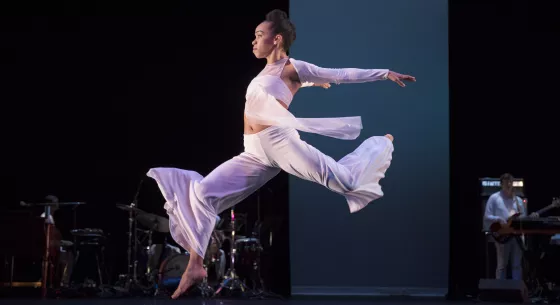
x: 356, y: 176
x: 193, y: 203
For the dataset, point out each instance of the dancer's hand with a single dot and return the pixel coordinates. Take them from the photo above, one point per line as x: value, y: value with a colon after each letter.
x: 326, y: 85
x: 397, y: 77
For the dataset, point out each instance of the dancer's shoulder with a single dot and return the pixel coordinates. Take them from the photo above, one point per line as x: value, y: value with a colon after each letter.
x: 301, y: 66
x: 298, y: 61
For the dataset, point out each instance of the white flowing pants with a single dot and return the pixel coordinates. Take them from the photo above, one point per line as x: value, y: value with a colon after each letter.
x: 193, y: 202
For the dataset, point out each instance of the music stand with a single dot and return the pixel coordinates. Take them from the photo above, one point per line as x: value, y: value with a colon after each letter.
x: 49, y: 224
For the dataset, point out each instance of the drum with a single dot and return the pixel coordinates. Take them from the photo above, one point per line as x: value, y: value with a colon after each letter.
x: 171, y: 270
x: 157, y: 254
x: 248, y: 249
x: 247, y: 258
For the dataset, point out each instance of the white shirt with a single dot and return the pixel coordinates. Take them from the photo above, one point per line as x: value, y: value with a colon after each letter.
x: 499, y: 207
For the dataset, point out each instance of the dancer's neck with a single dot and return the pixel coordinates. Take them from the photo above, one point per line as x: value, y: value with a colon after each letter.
x: 275, y: 56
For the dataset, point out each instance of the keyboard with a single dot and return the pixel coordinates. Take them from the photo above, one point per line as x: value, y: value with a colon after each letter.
x: 542, y: 223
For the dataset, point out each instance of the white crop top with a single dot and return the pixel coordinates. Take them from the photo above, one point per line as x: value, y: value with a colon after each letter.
x: 267, y: 87
x: 270, y: 81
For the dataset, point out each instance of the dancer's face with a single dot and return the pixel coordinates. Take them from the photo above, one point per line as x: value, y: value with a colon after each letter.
x: 265, y: 41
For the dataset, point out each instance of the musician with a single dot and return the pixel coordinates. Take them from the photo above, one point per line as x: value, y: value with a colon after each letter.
x: 499, y: 207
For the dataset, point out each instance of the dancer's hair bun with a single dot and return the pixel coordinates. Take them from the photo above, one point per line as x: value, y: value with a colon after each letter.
x: 276, y: 15
x: 283, y: 26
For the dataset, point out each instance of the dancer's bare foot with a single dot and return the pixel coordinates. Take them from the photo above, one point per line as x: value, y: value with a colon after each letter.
x: 194, y: 274
x: 390, y: 137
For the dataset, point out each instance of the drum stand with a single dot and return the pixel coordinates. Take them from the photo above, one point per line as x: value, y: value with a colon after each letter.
x: 231, y: 280
x: 131, y: 276
x: 133, y: 282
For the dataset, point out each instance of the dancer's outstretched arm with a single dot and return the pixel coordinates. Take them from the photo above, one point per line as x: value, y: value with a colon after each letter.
x: 310, y: 73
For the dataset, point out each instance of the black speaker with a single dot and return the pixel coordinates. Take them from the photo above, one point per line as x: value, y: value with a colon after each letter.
x: 511, y: 291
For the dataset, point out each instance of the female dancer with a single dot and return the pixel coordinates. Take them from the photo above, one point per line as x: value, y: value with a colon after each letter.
x: 272, y: 143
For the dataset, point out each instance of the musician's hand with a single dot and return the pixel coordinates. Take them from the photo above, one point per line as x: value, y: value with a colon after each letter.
x: 534, y: 215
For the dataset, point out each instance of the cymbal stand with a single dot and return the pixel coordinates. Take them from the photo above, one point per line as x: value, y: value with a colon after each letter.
x: 132, y: 281
x: 132, y: 276
x: 231, y: 280
x: 131, y: 273
x: 149, y: 250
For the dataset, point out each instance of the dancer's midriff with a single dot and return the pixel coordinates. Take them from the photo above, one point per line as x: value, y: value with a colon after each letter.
x: 251, y: 128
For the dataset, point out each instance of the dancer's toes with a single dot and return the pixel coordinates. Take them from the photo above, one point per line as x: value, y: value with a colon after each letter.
x: 193, y: 275
x: 390, y: 137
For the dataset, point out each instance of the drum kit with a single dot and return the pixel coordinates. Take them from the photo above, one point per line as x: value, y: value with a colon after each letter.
x: 156, y: 268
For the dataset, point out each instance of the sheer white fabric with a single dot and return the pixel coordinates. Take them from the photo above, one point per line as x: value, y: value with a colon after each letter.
x: 193, y: 201
x: 263, y: 108
x: 310, y: 73
x: 267, y: 88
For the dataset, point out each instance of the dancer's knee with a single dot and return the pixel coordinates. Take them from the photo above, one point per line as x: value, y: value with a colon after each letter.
x: 203, y: 191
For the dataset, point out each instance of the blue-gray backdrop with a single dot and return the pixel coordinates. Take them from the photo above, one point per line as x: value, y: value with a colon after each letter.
x: 400, y: 241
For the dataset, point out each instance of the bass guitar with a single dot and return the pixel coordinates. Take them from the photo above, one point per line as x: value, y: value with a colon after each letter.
x: 502, y: 232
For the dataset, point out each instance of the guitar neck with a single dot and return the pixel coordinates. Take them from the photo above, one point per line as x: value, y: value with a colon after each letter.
x: 547, y: 208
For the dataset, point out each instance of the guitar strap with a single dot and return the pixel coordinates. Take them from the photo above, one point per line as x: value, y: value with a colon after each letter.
x: 519, y: 207
x: 520, y: 210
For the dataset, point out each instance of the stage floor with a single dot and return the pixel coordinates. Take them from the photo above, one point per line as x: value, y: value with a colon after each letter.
x: 233, y: 301
x: 190, y: 301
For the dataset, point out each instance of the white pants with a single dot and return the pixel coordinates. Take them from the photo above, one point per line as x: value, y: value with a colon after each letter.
x: 509, y: 252
x: 193, y: 201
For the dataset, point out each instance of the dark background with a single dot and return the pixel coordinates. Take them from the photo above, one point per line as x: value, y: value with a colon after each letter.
x: 503, y: 66
x: 91, y: 103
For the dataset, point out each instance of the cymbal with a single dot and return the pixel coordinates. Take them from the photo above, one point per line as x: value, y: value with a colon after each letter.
x: 154, y: 222
x: 129, y: 208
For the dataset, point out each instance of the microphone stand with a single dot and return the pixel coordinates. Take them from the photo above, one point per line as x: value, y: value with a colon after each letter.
x: 46, y: 257
x: 49, y: 222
